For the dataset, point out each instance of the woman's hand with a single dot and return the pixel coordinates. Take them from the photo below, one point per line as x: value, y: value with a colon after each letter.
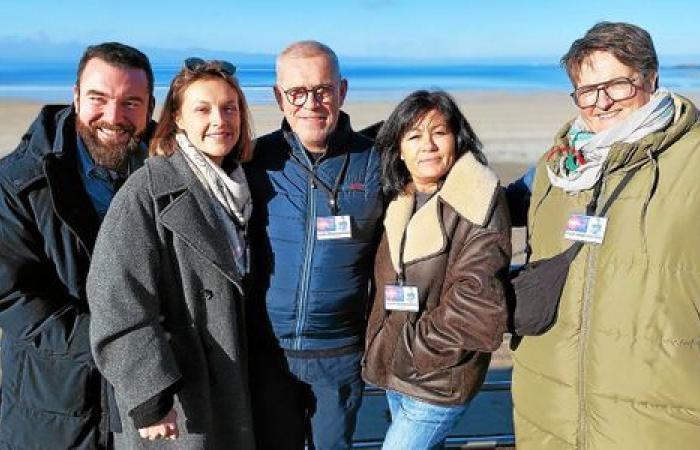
x: 164, y: 428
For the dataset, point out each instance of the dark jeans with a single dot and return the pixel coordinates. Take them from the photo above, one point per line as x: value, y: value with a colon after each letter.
x: 297, y: 398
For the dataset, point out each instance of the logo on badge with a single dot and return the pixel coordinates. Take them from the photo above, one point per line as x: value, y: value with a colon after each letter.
x: 325, y: 223
x: 584, y: 228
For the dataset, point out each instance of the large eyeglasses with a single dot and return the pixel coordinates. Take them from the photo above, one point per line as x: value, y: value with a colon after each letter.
x: 196, y: 64
x: 617, y: 89
x: 323, y: 93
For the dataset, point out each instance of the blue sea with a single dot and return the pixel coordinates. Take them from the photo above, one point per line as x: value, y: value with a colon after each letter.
x: 52, y: 82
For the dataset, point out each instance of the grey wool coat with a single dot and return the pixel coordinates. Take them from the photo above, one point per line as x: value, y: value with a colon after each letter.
x: 167, y: 307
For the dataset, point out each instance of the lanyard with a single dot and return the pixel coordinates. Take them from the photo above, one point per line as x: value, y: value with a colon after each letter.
x: 401, y: 277
x: 332, y: 193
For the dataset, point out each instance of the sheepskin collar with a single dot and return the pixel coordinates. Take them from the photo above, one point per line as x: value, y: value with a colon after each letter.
x: 468, y: 189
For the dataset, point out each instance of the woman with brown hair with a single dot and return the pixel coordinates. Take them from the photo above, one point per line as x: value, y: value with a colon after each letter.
x: 166, y: 282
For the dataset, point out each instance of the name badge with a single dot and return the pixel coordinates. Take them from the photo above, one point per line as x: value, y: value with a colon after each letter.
x: 401, y: 298
x: 333, y: 227
x: 585, y: 228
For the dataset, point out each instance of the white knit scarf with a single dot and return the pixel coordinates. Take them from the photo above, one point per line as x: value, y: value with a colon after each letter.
x: 230, y: 191
x: 653, y: 116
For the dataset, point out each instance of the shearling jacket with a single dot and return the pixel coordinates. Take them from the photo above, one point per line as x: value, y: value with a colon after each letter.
x: 457, y: 253
x: 620, y: 367
x: 167, y: 307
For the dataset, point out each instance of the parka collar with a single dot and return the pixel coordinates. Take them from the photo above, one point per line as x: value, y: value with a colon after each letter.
x: 469, y: 190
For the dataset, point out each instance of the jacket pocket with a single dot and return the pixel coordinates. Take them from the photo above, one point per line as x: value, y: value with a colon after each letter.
x: 403, y: 367
x: 197, y: 380
x: 58, y: 384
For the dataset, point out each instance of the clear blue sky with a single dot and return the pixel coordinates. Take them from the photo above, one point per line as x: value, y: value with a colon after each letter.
x: 399, y: 28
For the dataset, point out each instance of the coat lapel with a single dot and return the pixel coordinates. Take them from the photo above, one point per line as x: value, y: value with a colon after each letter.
x: 191, y: 215
x: 71, y: 202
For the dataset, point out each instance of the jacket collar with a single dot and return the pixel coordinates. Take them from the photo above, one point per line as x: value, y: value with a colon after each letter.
x: 337, y: 142
x: 469, y: 190
x: 53, y: 142
x: 172, y: 178
x: 53, y: 135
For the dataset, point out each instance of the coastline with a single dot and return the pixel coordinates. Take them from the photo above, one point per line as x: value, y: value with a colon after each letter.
x: 514, y: 128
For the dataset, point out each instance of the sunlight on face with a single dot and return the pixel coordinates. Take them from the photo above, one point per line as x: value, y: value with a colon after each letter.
x: 601, y: 67
x: 428, y: 150
x: 210, y: 117
x: 314, y: 121
x: 113, y: 107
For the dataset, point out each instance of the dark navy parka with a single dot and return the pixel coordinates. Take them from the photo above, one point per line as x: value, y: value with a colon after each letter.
x: 52, y: 394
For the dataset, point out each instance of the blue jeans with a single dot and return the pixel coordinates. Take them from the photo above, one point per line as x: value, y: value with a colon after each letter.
x: 336, y: 390
x: 417, y: 425
x: 288, y: 389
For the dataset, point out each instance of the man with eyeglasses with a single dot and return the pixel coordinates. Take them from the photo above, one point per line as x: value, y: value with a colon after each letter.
x: 317, y: 207
x: 55, y: 189
x: 619, y: 367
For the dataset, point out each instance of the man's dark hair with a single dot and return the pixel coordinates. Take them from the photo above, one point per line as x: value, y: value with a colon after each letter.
x: 395, y: 175
x: 630, y: 44
x: 119, y: 55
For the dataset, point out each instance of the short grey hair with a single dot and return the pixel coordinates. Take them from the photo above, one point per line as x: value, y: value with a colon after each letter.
x: 309, y: 49
x: 630, y: 44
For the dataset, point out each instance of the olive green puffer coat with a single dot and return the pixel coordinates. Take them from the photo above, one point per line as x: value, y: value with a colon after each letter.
x: 620, y: 369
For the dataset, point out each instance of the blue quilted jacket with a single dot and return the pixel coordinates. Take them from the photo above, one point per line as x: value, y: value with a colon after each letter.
x: 311, y: 294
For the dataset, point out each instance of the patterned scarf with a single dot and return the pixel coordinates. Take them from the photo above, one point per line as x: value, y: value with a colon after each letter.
x: 594, y: 147
x: 230, y: 191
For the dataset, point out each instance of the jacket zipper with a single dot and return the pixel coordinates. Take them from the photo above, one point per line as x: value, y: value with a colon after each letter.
x: 583, y: 337
x: 306, y: 268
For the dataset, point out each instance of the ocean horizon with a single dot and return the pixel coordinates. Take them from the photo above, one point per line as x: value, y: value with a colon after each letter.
x: 52, y: 82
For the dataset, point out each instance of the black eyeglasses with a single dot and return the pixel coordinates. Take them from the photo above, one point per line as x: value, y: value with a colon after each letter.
x: 617, y: 89
x: 194, y: 64
x: 323, y: 93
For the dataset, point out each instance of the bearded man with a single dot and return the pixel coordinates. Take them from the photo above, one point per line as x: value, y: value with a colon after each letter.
x: 55, y: 188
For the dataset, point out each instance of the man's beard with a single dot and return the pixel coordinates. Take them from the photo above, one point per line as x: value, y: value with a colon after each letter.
x: 109, y: 155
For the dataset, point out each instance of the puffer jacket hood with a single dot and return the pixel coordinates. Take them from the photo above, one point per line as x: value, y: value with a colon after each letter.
x: 51, y: 131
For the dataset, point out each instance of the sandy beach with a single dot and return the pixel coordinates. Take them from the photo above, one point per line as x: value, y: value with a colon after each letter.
x: 515, y: 130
